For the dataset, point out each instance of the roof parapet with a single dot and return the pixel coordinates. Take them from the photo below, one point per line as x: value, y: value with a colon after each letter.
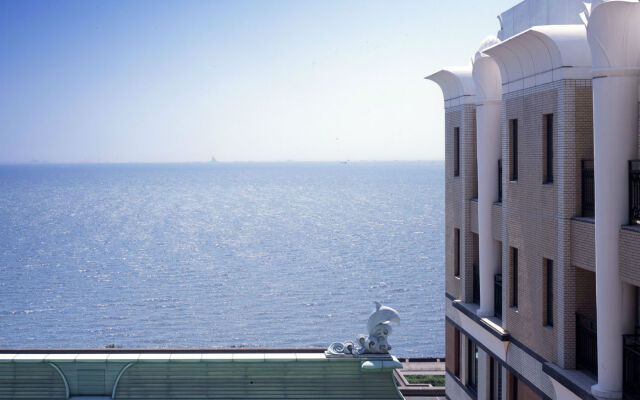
x: 543, y: 54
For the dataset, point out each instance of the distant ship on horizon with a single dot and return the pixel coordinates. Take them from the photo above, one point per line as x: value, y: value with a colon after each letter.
x: 213, y: 159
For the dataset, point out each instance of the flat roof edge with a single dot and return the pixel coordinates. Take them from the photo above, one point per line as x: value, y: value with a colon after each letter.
x: 163, y: 350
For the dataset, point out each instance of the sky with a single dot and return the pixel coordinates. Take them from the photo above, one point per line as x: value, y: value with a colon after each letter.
x: 182, y: 81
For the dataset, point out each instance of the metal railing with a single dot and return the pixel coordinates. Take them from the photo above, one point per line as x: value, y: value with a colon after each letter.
x: 631, y: 366
x: 634, y: 192
x: 497, y: 295
x: 476, y: 284
x: 586, y: 344
x: 588, y: 189
x: 499, y: 181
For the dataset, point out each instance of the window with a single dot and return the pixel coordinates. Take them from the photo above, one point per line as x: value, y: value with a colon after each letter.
x: 499, y: 181
x: 472, y: 365
x: 514, y: 149
x: 548, y: 275
x: 456, y: 151
x: 495, y: 380
x: 456, y: 256
x: 456, y: 353
x: 548, y: 148
x: 514, y: 387
x: 476, y: 269
x: 514, y: 277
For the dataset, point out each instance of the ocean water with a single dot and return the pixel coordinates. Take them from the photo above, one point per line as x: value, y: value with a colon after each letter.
x: 237, y: 254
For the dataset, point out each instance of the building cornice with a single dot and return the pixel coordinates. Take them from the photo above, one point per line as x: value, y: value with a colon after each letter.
x: 542, y: 54
x: 456, y: 84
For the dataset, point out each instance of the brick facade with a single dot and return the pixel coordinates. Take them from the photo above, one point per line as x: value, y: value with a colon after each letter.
x: 541, y: 220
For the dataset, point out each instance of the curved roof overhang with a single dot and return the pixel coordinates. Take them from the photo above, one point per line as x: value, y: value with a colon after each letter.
x: 456, y: 84
x: 486, y: 76
x: 543, y: 54
x: 613, y: 32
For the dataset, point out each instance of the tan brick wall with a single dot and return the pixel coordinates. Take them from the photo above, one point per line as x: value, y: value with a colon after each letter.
x: 453, y: 201
x: 579, y: 145
x: 576, y: 131
x: 537, y: 216
x: 530, y: 213
x: 459, y: 190
x: 534, y: 217
x: 473, y: 211
x: 470, y: 174
x: 583, y: 247
x: 496, y: 221
x: 630, y: 256
x: 585, y: 292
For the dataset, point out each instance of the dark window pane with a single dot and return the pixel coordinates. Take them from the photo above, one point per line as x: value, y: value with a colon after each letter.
x: 456, y: 151
x: 514, y: 277
x: 549, y: 148
x: 514, y: 149
x: 456, y: 239
x: 549, y: 289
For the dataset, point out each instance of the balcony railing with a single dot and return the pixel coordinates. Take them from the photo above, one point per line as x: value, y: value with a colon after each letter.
x: 499, y: 181
x: 634, y: 192
x: 476, y: 284
x: 588, y: 190
x: 497, y: 295
x: 586, y: 344
x: 631, y: 366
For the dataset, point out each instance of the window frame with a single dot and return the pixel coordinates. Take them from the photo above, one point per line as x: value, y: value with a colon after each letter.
x: 456, y: 344
x: 456, y: 151
x: 548, y: 148
x: 457, y: 251
x: 548, y: 295
x: 472, y: 365
x: 513, y: 130
x: 514, y: 277
x: 495, y: 379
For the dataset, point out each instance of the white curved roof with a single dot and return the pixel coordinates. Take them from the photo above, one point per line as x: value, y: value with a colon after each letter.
x: 486, y: 75
x: 615, y: 45
x: 456, y: 84
x: 543, y: 54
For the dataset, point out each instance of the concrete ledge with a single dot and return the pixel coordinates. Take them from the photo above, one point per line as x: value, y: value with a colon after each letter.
x: 390, y: 361
x: 485, y: 323
x: 574, y: 380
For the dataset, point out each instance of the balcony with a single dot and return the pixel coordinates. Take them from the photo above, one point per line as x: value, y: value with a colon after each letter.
x: 497, y: 296
x: 588, y: 190
x: 499, y: 181
x: 476, y: 284
x: 631, y: 366
x: 634, y: 192
x: 586, y: 344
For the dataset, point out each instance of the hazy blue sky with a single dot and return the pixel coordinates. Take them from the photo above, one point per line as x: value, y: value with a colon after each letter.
x: 120, y: 81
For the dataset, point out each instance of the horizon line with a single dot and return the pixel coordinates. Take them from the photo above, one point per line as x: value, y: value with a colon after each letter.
x: 20, y: 163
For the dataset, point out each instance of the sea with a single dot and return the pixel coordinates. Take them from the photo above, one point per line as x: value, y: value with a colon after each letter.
x: 221, y: 254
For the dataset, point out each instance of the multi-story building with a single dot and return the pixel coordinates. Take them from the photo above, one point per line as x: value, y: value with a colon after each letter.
x: 543, y: 206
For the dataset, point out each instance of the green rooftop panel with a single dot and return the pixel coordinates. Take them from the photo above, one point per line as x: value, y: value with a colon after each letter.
x: 188, y: 375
